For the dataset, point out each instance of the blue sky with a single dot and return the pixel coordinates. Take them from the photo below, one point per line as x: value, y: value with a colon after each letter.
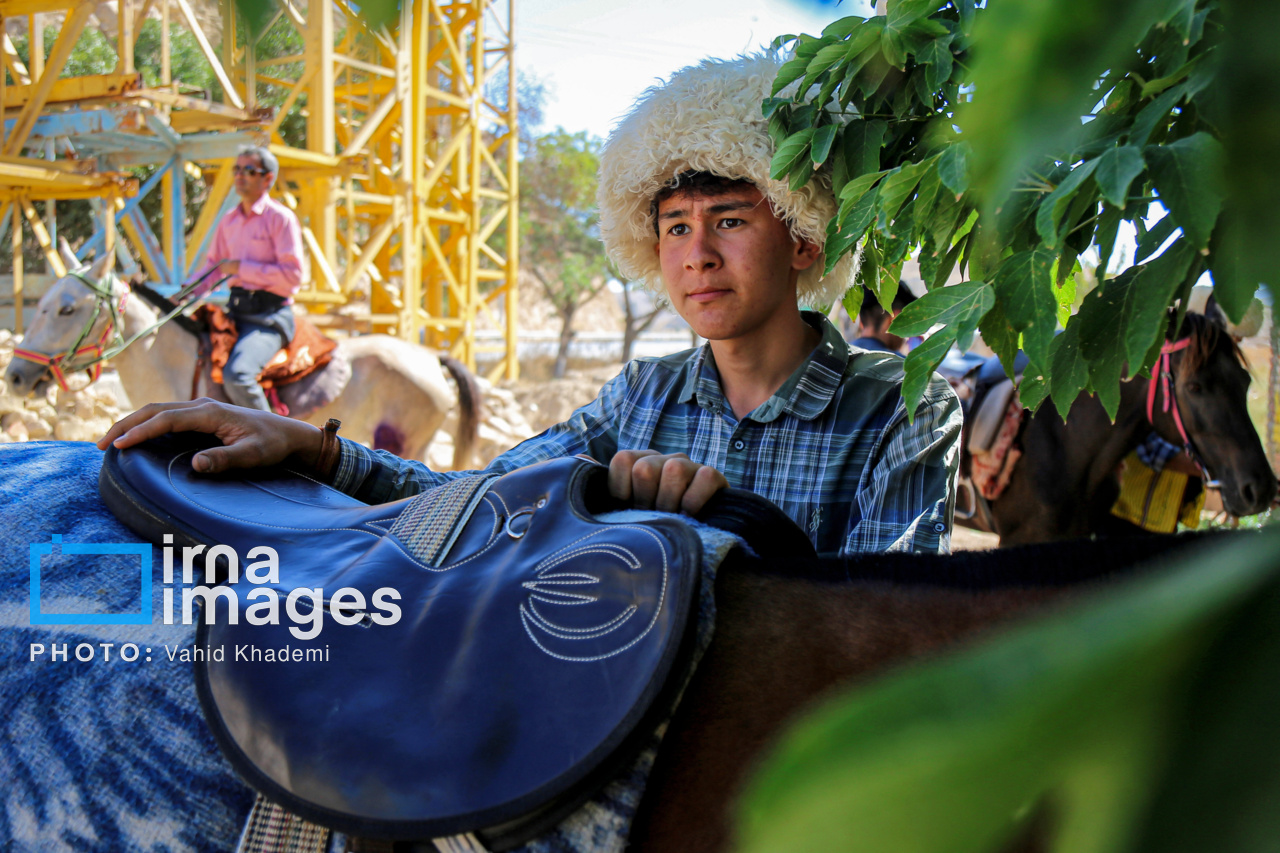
x: 597, y: 56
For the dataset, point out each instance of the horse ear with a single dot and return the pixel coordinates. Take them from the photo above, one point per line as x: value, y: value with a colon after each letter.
x: 68, y: 257
x: 101, y: 266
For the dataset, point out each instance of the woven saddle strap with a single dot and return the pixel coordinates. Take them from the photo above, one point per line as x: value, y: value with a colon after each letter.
x: 428, y: 526
x: 271, y: 829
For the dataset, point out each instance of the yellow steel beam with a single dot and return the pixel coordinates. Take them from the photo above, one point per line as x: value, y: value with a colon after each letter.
x: 213, y: 204
x: 228, y: 88
x: 42, y: 236
x: 12, y: 61
x: 71, y: 89
x: 57, y: 58
x: 17, y: 8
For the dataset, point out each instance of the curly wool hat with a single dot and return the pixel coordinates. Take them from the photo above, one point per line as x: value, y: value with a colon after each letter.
x: 706, y: 118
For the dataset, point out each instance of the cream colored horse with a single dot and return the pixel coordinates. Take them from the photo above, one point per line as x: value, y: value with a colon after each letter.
x: 397, y: 396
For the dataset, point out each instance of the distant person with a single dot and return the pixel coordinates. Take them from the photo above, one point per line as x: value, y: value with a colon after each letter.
x: 875, y: 322
x: 259, y: 245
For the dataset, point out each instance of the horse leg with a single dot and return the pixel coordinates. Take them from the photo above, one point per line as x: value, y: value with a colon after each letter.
x: 780, y: 644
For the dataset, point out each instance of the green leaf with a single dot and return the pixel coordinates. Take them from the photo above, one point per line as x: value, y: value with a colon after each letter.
x: 1188, y: 176
x: 1108, y: 228
x: 1066, y: 298
x: 843, y: 28
x: 801, y: 174
x: 894, y: 47
x: 859, y: 154
x: 1000, y: 336
x: 947, y: 266
x: 941, y: 222
x: 844, y: 232
x: 1150, y: 242
x: 1055, y: 204
x: 856, y: 189
x: 790, y: 153
x: 1070, y: 372
x: 869, y: 270
x: 937, y: 55
x: 920, y: 364
x: 1151, y: 115
x: 960, y: 305
x: 1117, y: 168
x: 1024, y: 288
x: 821, y: 62
x: 821, y: 146
x: 790, y: 72
x: 953, y: 167
x: 852, y: 301
x: 897, y: 186
x: 1079, y: 709
x: 1033, y: 389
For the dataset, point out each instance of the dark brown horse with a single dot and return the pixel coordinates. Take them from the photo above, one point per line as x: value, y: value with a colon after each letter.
x: 1066, y: 481
x: 788, y: 633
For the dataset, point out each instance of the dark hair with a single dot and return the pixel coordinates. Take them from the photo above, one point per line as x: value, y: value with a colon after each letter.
x: 871, y: 313
x: 697, y: 184
x: 266, y: 160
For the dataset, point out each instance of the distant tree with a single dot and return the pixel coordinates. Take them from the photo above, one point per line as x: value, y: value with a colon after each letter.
x: 559, y: 225
x: 636, y: 318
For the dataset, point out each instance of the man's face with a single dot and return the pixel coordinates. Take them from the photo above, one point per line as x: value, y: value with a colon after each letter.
x: 728, y: 262
x: 250, y: 179
x: 883, y: 334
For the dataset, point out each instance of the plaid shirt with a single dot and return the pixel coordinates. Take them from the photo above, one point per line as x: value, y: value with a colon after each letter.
x: 832, y: 447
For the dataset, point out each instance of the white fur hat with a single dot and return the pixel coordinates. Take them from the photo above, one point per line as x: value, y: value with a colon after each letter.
x: 706, y: 118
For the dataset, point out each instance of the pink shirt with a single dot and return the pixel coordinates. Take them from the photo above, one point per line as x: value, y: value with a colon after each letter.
x: 267, y: 241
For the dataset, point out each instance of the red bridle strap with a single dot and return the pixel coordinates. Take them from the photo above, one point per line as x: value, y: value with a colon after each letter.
x: 1162, y: 373
x: 60, y: 363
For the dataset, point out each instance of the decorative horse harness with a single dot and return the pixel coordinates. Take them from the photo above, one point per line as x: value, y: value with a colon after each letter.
x: 1163, y: 383
x: 110, y: 342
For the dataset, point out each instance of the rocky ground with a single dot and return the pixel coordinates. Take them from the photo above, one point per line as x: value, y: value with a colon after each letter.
x: 78, y: 415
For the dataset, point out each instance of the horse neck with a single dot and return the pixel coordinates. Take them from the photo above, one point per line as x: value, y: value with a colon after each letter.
x: 156, y: 367
x: 1131, y: 426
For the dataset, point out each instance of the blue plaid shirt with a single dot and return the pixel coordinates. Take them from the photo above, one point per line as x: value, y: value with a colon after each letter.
x: 832, y: 447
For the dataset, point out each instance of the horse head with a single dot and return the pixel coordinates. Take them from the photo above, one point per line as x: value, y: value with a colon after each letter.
x: 1210, y: 383
x: 76, y: 312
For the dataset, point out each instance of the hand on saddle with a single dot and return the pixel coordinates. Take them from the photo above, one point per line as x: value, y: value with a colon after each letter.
x: 668, y: 483
x: 250, y: 438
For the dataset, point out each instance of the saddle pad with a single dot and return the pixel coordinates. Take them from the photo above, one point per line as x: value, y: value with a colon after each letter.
x: 523, y: 670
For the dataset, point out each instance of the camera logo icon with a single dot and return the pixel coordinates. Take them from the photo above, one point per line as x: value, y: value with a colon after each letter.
x: 56, y: 545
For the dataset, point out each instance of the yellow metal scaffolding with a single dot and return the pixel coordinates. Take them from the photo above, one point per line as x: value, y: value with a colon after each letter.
x: 406, y: 185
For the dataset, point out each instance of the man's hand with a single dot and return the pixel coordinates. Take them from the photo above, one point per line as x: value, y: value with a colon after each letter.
x: 668, y: 483
x: 250, y: 438
x: 229, y: 267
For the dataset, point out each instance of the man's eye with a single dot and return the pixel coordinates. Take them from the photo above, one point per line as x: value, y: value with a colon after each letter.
x: 678, y: 230
x: 730, y: 222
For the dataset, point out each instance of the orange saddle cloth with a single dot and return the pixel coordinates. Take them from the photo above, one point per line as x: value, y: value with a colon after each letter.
x: 307, y: 352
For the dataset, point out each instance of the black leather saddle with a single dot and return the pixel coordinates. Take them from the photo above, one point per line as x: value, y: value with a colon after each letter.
x: 489, y: 652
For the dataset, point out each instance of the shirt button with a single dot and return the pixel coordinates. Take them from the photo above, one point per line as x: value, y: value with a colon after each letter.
x: 739, y: 444
x: 940, y: 527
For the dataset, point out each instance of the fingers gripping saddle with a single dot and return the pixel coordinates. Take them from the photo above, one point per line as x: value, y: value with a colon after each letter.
x: 532, y: 651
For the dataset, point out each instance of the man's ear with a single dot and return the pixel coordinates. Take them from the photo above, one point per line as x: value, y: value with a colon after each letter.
x: 806, y: 255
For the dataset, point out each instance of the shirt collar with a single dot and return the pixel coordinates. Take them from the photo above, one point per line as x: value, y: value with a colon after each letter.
x: 805, y: 394
x: 258, y: 206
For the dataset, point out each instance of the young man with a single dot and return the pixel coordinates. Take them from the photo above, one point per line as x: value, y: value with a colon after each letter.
x: 259, y: 244
x: 776, y: 402
x: 875, y: 322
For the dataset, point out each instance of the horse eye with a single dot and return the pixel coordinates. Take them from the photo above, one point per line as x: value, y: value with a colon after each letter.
x: 66, y: 310
x: 1193, y: 387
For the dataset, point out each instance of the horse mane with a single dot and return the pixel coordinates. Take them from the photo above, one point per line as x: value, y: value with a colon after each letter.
x: 1206, y: 332
x: 1051, y: 564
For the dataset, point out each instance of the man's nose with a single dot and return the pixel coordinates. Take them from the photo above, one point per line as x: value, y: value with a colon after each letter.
x: 703, y: 253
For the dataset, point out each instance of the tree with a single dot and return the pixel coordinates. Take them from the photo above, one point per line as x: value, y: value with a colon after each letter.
x: 559, y: 225
x: 637, y: 320
x: 1015, y: 159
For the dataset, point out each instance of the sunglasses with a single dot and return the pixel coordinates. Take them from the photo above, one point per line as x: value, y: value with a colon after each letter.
x: 248, y: 170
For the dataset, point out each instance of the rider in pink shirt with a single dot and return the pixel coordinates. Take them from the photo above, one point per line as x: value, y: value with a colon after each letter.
x: 259, y: 244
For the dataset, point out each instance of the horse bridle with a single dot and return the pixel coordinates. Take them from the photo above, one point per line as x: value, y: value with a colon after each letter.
x: 61, y: 364
x: 1162, y: 376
